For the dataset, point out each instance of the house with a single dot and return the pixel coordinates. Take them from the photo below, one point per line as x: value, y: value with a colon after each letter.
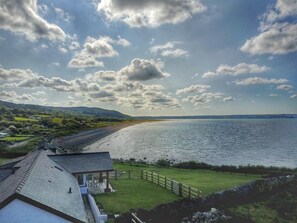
x: 46, y: 187
x: 3, y: 134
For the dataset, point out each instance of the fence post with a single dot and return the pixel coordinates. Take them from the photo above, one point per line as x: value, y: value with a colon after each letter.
x: 129, y: 171
x: 165, y: 182
x: 115, y: 175
x: 152, y: 177
x: 146, y: 174
x: 180, y: 189
x: 141, y: 174
x: 158, y: 179
x: 171, y: 185
x: 189, y: 192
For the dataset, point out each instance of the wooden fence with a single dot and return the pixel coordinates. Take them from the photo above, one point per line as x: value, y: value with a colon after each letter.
x: 170, y: 184
x: 129, y: 174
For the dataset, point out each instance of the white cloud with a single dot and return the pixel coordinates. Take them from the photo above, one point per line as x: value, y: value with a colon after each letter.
x: 284, y: 87
x: 94, y: 49
x: 193, y: 89
x: 293, y: 96
x: 209, y: 74
x: 15, y: 74
x: 143, y: 70
x: 39, y: 93
x: 84, y: 62
x: 71, y: 103
x: 150, y: 13
x: 228, y: 98
x: 280, y: 38
x: 21, y: 17
x: 119, y: 89
x: 169, y: 49
x: 12, y: 95
x: 28, y: 79
x: 259, y: 80
x: 152, y: 100
x: 63, y: 50
x: 242, y: 68
x: 62, y: 15
x: 102, y: 76
x: 122, y: 42
x: 201, y: 99
x: 276, y: 36
x: 282, y: 9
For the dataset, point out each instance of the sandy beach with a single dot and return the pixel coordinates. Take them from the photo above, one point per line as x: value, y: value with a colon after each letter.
x: 78, y: 141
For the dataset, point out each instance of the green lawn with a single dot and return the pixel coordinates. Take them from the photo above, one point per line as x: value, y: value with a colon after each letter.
x: 21, y: 119
x: 205, y: 180
x: 136, y: 193
x: 132, y: 194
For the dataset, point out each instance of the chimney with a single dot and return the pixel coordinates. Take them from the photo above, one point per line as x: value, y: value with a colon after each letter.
x: 14, y: 169
x: 69, y: 190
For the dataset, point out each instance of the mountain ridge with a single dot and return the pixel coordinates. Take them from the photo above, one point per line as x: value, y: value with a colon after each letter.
x: 82, y: 110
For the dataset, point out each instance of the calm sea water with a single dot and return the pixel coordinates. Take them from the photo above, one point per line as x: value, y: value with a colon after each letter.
x: 237, y: 141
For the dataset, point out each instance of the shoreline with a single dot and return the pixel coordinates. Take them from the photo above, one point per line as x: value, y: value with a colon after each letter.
x: 76, y: 142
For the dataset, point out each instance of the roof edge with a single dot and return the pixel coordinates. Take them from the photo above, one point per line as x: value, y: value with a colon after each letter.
x: 70, y: 154
x: 39, y: 205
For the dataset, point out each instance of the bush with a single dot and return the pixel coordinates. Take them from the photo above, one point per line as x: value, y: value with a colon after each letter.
x: 163, y: 162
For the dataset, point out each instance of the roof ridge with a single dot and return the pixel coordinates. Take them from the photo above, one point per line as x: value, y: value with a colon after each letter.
x: 68, y: 154
x: 25, y: 177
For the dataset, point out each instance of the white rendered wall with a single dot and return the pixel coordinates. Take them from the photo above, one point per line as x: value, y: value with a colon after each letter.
x: 18, y: 211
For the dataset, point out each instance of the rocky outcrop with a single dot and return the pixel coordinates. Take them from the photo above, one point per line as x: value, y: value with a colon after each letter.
x: 212, y: 216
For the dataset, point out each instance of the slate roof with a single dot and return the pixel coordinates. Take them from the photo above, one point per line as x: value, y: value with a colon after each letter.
x: 43, y: 182
x: 6, y: 169
x: 84, y: 162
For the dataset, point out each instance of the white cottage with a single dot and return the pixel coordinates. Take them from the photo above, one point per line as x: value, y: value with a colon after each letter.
x: 44, y: 187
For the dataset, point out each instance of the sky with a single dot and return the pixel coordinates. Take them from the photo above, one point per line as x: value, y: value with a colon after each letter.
x: 151, y: 57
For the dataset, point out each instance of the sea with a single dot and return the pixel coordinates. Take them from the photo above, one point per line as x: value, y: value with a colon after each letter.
x: 268, y: 142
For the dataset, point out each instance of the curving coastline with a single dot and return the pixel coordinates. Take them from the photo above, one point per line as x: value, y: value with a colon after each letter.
x: 76, y: 142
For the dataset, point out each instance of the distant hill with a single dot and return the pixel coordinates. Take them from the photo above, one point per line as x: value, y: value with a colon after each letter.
x: 89, y: 111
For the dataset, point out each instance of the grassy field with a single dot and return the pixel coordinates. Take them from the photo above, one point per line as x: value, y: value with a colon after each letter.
x: 21, y: 119
x: 205, y: 180
x: 57, y: 120
x: 16, y: 138
x: 136, y: 193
